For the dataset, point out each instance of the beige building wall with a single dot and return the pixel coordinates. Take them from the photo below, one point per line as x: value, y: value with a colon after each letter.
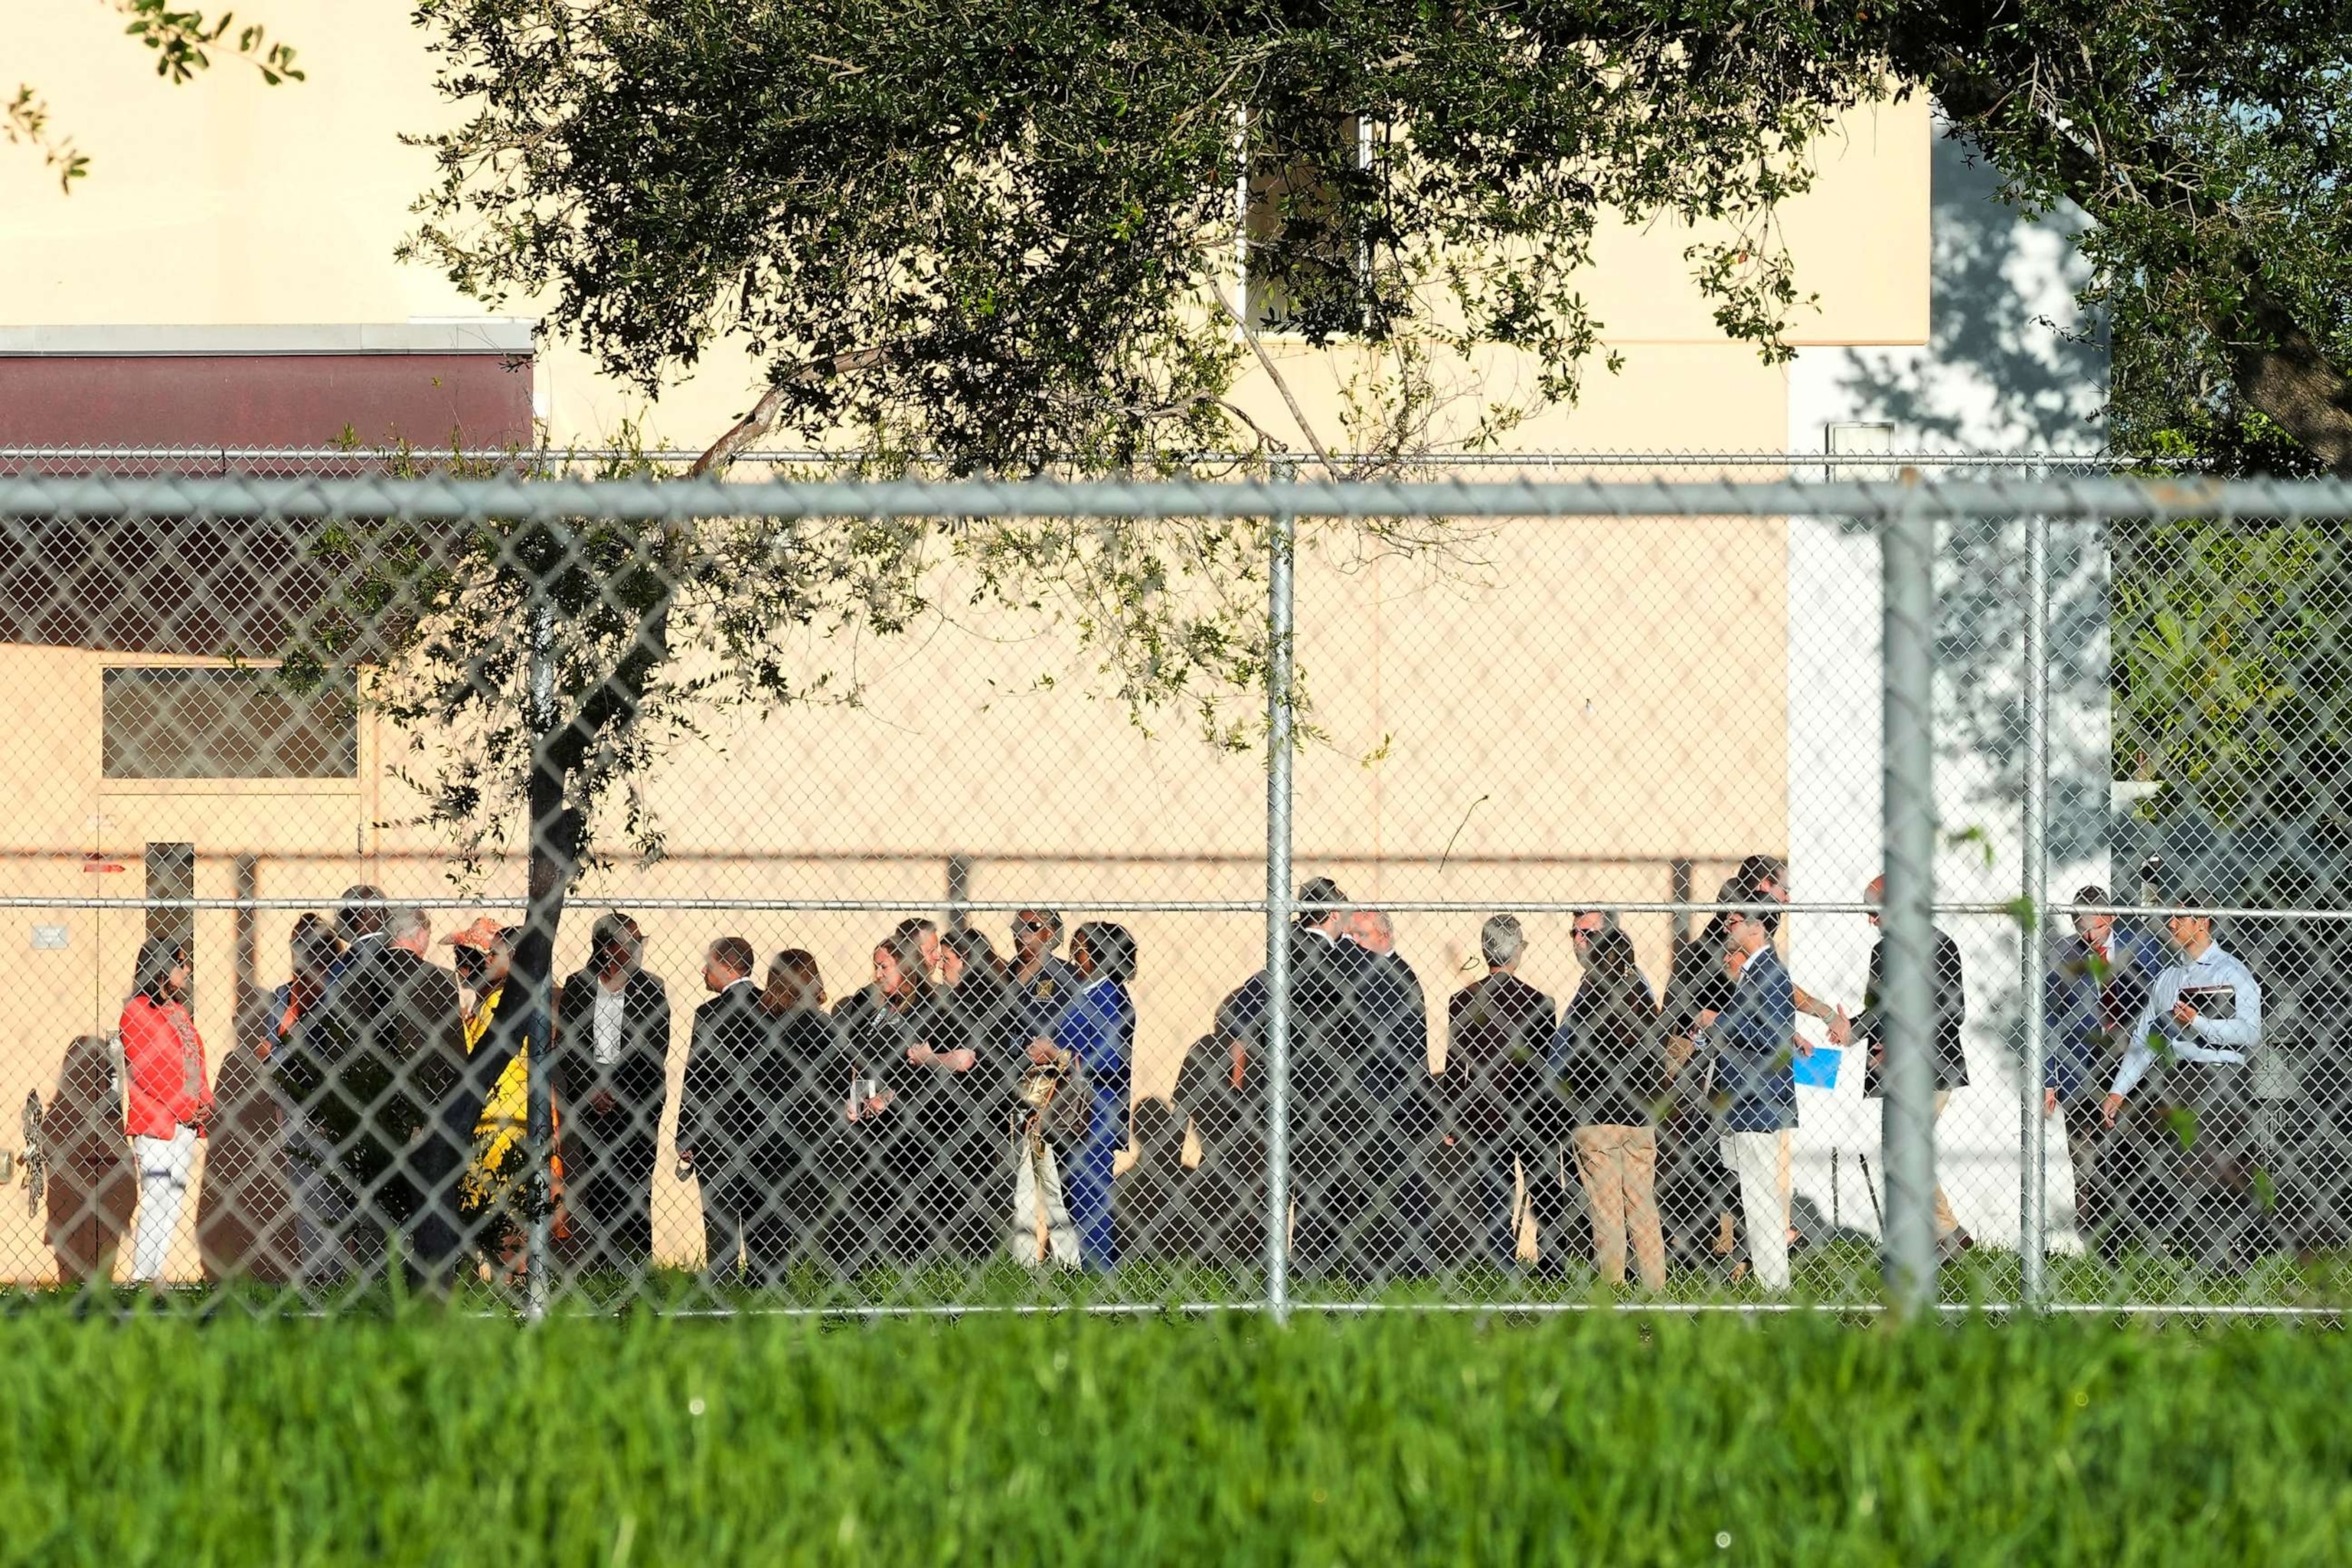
x: 1566, y: 714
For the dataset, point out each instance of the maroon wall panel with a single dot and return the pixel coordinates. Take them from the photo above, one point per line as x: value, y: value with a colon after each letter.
x: 426, y: 400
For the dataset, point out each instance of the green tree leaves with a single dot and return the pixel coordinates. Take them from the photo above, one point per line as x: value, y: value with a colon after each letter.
x: 996, y: 231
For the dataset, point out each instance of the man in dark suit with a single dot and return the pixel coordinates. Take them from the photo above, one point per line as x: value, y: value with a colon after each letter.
x: 2098, y: 980
x: 381, y: 1072
x: 1950, y: 1048
x: 718, y: 1114
x: 1394, y: 1085
x: 1497, y: 1031
x: 608, y: 1069
x: 1330, y: 1036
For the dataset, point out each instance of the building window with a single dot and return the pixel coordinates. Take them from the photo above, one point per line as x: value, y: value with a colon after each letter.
x: 1315, y: 241
x: 192, y: 723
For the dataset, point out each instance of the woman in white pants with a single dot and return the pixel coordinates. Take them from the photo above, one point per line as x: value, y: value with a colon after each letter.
x: 170, y: 1097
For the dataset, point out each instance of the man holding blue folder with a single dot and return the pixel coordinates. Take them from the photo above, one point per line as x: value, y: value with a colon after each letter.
x: 1755, y: 1039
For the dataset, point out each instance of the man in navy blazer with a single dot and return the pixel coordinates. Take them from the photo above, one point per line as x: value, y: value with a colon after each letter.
x: 1754, y: 1041
x: 2097, y: 982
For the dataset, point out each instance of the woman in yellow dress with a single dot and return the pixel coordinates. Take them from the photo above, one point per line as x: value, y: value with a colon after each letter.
x: 496, y: 1195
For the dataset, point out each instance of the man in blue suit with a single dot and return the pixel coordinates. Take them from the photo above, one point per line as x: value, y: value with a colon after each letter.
x: 2097, y: 982
x: 1755, y: 1040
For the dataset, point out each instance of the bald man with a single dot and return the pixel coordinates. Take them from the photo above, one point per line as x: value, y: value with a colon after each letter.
x: 1949, y: 1047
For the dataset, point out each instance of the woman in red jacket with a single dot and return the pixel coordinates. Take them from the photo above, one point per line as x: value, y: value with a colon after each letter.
x: 170, y: 1098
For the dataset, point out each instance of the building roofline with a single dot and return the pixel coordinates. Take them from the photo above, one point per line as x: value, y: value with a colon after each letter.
x: 509, y: 337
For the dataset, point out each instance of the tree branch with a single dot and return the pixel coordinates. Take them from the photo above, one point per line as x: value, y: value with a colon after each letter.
x: 26, y: 120
x: 762, y: 416
x: 1266, y: 361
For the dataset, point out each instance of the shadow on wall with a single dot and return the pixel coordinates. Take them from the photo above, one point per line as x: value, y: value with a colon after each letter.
x: 2011, y: 365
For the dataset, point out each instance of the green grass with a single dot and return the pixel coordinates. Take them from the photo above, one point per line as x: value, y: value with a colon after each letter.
x: 1594, y: 1437
x: 1841, y: 1275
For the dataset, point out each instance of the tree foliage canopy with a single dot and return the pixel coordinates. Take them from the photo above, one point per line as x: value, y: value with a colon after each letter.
x: 2208, y: 144
x: 1008, y: 229
x: 1009, y: 234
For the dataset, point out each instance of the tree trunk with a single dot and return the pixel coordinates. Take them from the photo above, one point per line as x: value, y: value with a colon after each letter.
x: 2281, y: 372
x: 553, y: 853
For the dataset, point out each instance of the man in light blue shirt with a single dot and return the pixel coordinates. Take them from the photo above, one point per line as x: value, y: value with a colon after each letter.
x: 2207, y: 1007
x: 2190, y: 1046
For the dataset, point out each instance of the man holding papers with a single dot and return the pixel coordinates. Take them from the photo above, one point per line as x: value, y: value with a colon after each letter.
x: 2190, y: 1046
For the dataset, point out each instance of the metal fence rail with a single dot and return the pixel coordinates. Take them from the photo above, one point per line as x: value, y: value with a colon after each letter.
x: 83, y: 461
x: 2084, y: 726
x: 517, y: 499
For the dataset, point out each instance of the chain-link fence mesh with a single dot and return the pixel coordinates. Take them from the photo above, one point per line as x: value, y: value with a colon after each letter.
x: 359, y: 462
x: 855, y: 895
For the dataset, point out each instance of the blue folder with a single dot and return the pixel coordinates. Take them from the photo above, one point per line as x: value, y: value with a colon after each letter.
x: 1820, y: 1069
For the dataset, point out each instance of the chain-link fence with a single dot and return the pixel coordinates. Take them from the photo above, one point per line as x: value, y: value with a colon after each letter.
x: 890, y: 896
x: 1875, y: 460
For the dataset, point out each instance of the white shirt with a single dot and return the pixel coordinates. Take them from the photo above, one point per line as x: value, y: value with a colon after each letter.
x: 2207, y: 1040
x: 608, y: 1026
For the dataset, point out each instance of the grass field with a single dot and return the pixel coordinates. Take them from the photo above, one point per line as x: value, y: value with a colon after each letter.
x: 1844, y: 1275
x: 1602, y: 1438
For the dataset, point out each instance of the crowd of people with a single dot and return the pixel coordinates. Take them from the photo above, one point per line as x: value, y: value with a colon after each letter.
x: 962, y: 1104
x: 379, y: 1107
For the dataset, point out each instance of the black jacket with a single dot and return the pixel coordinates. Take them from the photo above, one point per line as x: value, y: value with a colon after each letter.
x: 1611, y: 1068
x: 1395, y: 1070
x: 1361, y: 1089
x: 996, y: 1021
x: 799, y: 1083
x: 1951, y: 1014
x: 1329, y: 1031
x: 719, y: 1108
x: 638, y: 1077
x: 382, y: 1059
x: 1498, y: 1031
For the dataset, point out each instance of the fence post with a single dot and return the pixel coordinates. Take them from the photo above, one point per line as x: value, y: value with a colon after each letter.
x: 2033, y: 1222
x: 538, y: 1121
x: 1907, y: 991
x: 1282, y: 547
